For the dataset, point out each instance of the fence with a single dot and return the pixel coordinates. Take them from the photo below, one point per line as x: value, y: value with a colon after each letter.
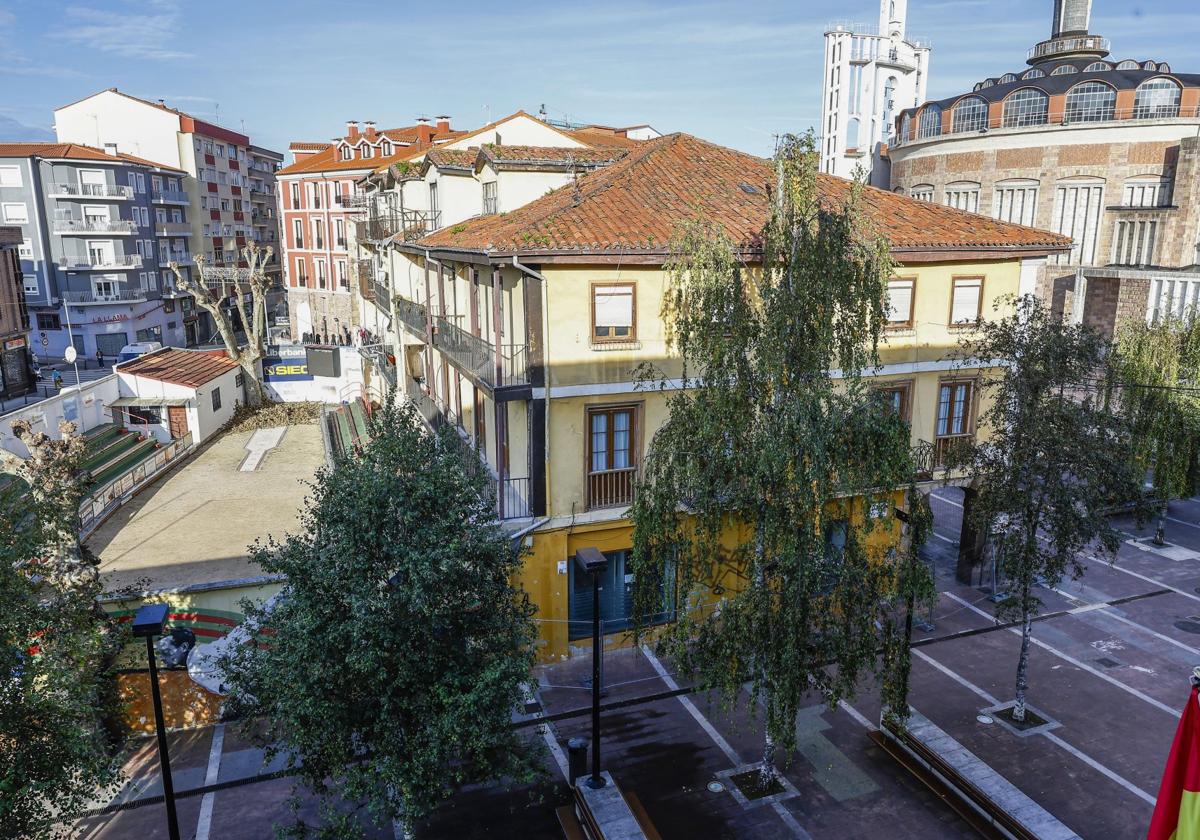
x: 100, y: 503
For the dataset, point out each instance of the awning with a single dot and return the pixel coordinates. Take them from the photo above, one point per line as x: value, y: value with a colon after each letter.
x: 146, y: 402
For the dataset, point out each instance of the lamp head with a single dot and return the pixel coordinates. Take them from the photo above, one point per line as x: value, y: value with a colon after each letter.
x: 150, y: 620
x: 590, y: 560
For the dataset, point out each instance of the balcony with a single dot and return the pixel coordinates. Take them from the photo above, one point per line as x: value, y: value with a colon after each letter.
x: 167, y: 257
x: 476, y: 356
x: 950, y: 448
x: 91, y: 296
x: 1055, y: 47
x: 170, y: 197
x: 172, y: 229
x: 112, y: 191
x: 411, y: 315
x: 610, y: 488
x: 101, y: 262
x: 67, y: 227
x: 409, y: 225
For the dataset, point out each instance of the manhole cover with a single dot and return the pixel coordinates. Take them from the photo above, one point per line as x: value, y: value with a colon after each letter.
x: 716, y: 787
x: 1188, y: 626
x: 985, y: 718
x: 1107, y: 662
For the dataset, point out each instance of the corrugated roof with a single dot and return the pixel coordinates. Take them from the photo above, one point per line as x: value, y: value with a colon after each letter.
x: 636, y: 204
x: 191, y: 368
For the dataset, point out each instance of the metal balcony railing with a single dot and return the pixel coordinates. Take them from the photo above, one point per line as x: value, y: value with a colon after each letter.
x: 924, y: 458
x: 477, y: 356
x: 92, y: 191
x: 411, y: 315
x: 1078, y: 43
x: 610, y: 488
x: 512, y: 498
x: 94, y: 226
x: 172, y: 229
x: 181, y: 257
x: 116, y: 296
x: 97, y: 262
x: 170, y: 197
x: 945, y: 447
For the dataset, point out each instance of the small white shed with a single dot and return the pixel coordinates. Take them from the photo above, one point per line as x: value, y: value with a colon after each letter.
x: 171, y: 392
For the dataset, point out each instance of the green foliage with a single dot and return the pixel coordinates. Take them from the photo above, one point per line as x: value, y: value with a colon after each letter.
x: 764, y: 451
x: 1155, y: 367
x: 1056, y: 459
x: 399, y: 648
x: 57, y: 698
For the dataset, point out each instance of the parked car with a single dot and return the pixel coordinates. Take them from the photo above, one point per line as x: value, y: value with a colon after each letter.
x: 138, y: 348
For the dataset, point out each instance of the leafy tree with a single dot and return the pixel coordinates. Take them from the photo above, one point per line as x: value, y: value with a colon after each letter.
x: 57, y: 698
x: 214, y: 286
x: 769, y: 465
x: 1156, y: 371
x: 399, y: 648
x: 1055, y: 460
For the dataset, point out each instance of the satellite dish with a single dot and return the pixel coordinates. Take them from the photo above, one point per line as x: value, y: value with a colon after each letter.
x: 70, y: 355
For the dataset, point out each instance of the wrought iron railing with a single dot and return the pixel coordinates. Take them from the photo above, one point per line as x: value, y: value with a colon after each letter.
x: 949, y: 448
x: 412, y: 315
x: 924, y: 457
x: 610, y: 488
x: 477, y: 356
x: 512, y: 498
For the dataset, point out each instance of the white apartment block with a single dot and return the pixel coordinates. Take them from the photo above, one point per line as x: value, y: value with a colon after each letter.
x: 871, y: 73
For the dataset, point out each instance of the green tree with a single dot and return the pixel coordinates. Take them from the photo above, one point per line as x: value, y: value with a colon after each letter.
x: 393, y: 659
x: 1055, y: 461
x: 1156, y: 371
x: 57, y: 699
x: 769, y: 463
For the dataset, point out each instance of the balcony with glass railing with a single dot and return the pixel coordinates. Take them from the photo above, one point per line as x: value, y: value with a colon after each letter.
x: 101, y: 296
x: 86, y: 226
x: 167, y: 256
x: 117, y: 192
x: 170, y: 197
x: 101, y: 262
x: 172, y: 229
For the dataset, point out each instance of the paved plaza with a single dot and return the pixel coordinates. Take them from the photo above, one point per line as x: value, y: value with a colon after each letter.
x: 1109, y: 668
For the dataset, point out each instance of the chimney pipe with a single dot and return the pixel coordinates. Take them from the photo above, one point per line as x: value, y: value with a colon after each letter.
x: 352, y: 130
x: 370, y: 129
x: 443, y: 124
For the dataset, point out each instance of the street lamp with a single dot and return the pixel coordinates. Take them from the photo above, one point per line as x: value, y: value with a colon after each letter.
x: 591, y: 561
x: 148, y: 623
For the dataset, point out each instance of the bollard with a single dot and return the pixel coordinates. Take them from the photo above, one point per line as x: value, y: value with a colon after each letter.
x: 576, y: 759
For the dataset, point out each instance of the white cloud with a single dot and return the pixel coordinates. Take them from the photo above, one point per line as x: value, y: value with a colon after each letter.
x: 150, y: 36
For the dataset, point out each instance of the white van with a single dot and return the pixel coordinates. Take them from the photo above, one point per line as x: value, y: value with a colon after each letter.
x: 138, y: 348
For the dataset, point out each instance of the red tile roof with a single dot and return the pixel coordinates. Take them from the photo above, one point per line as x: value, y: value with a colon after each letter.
x: 636, y: 204
x: 327, y: 156
x: 550, y: 157
x: 191, y: 368
x: 598, y: 136
x: 452, y: 158
x: 74, y: 151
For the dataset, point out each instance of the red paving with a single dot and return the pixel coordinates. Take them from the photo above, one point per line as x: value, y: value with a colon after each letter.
x: 1093, y: 773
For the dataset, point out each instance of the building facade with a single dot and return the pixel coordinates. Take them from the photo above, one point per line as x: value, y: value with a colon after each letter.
x: 871, y: 72
x: 1104, y: 151
x: 524, y: 332
x: 223, y: 174
x: 98, y: 231
x: 16, y: 376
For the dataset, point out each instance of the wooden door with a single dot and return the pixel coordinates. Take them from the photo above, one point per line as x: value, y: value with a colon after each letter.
x: 177, y: 421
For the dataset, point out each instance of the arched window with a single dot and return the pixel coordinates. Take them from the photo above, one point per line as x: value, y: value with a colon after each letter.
x: 1064, y: 70
x: 986, y: 83
x: 1078, y: 204
x: 1128, y: 64
x: 1090, y: 102
x: 852, y: 129
x: 1027, y: 106
x: 922, y: 192
x: 1006, y: 78
x: 1157, y: 99
x: 1147, y: 191
x: 970, y: 114
x: 1034, y: 74
x: 906, y: 128
x: 1149, y: 65
x: 931, y: 122
x: 978, y: 86
x: 962, y: 195
x: 1097, y: 67
x: 1015, y: 201
x: 1163, y: 67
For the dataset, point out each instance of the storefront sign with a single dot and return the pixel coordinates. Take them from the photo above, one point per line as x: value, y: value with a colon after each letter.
x: 14, y: 343
x: 288, y: 364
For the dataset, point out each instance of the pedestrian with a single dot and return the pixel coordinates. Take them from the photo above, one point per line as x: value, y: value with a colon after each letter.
x: 99, y: 357
x: 56, y: 378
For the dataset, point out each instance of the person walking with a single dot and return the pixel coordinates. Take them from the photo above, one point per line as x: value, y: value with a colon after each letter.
x: 56, y: 378
x: 99, y: 357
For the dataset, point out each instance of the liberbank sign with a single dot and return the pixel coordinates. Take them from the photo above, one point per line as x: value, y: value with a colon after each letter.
x: 288, y: 363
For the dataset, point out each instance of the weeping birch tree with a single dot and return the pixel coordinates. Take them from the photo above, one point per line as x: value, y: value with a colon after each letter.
x: 1055, y: 462
x: 214, y: 287
x: 772, y: 470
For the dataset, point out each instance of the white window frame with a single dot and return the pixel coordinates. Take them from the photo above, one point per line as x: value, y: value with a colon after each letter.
x: 7, y: 180
x: 7, y: 207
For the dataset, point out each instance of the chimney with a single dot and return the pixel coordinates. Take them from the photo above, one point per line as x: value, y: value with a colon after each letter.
x: 424, y: 132
x: 162, y: 103
x: 370, y: 129
x: 443, y: 124
x: 351, y: 130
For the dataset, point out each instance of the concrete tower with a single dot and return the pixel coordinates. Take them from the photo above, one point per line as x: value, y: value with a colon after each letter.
x: 1069, y: 36
x: 871, y: 73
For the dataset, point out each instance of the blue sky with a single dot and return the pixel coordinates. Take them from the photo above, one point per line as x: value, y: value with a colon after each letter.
x: 737, y: 73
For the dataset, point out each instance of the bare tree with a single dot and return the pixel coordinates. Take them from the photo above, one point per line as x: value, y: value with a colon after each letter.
x: 213, y: 286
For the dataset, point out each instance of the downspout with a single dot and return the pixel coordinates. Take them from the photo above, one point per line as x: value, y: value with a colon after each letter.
x: 517, y: 264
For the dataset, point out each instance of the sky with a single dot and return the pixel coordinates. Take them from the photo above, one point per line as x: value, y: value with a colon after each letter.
x: 737, y: 73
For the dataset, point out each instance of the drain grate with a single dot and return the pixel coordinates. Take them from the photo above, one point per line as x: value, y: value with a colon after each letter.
x: 1108, y: 662
x: 1188, y: 626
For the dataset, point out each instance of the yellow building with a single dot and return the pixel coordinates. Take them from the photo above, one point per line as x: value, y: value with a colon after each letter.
x: 524, y: 331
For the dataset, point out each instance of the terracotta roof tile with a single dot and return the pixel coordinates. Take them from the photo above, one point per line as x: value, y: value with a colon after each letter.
x: 191, y: 368
x: 597, y: 136
x: 635, y: 205
x: 452, y: 158
x: 74, y: 151
x: 556, y: 157
x: 326, y: 157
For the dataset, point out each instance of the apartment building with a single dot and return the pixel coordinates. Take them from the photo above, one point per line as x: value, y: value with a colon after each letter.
x: 316, y: 208
x: 523, y: 331
x: 223, y: 173
x: 98, y: 230
x: 1104, y: 151
x: 16, y: 376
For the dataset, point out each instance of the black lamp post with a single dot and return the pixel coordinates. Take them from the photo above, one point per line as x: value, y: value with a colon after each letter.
x: 148, y: 623
x: 592, y: 562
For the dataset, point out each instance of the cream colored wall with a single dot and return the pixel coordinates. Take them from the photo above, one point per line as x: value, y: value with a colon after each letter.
x: 518, y: 131
x: 135, y: 127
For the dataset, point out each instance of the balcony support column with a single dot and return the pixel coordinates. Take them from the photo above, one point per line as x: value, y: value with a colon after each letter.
x: 445, y: 317
x: 496, y: 336
x: 501, y: 408
x: 428, y: 328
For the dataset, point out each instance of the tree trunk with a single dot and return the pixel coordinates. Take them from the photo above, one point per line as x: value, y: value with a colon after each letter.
x: 766, y: 770
x: 253, y: 384
x: 971, y: 539
x: 1023, y: 662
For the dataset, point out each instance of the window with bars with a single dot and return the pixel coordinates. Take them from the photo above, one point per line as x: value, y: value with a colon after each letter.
x: 1077, y: 209
x: 962, y: 195
x: 922, y: 192
x: 1135, y: 242
x: 1016, y: 201
x: 1090, y: 102
x: 1026, y: 107
x: 900, y: 303
x: 1170, y: 297
x: 1146, y: 192
x: 1157, y: 99
x: 966, y: 301
x: 612, y: 455
x: 971, y: 114
x: 931, y: 122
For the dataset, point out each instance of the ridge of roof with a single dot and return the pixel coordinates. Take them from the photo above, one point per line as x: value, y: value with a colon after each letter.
x: 635, y: 204
x: 76, y: 151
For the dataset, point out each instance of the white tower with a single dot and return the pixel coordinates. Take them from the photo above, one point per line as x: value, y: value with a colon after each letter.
x: 871, y: 73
